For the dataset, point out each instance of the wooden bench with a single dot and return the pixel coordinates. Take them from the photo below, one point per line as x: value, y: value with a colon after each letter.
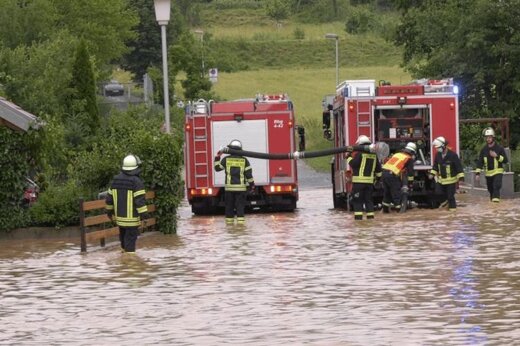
x: 99, y: 227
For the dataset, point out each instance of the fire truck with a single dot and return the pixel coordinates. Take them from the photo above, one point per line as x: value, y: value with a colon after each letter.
x: 264, y: 124
x: 393, y: 114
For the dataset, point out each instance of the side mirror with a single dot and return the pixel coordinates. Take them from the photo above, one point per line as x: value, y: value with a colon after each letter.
x: 301, y: 137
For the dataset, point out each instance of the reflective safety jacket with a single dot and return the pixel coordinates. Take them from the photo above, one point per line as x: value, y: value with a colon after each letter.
x: 365, y: 166
x: 447, y: 168
x: 400, y: 162
x: 239, y: 173
x: 492, y: 165
x: 126, y: 199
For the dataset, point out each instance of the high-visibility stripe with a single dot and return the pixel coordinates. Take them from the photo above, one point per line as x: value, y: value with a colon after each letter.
x: 129, y: 203
x: 114, y: 193
x: 139, y: 193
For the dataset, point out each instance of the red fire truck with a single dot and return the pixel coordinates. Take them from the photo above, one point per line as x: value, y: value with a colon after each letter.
x: 264, y: 124
x: 394, y: 114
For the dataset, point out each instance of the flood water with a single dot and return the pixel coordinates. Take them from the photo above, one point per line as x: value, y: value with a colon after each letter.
x: 312, y: 277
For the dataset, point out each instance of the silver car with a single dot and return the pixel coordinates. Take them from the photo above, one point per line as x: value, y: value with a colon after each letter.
x: 114, y: 88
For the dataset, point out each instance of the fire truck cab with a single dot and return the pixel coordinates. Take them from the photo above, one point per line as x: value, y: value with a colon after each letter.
x: 263, y: 124
x: 394, y: 114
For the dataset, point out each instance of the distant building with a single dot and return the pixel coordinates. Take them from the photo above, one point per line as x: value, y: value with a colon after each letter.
x: 16, y: 118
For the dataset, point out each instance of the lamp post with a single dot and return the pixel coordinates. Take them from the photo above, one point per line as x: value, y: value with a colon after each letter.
x: 201, y: 33
x: 162, y: 15
x: 335, y: 37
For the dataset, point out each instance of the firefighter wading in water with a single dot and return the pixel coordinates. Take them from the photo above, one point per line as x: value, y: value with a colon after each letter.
x: 365, y: 168
x: 238, y: 176
x: 398, y: 175
x: 126, y: 202
x: 447, y: 171
x: 492, y: 159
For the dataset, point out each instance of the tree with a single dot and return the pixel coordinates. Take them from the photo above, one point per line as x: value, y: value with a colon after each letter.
x: 25, y: 23
x: 82, y: 103
x: 277, y: 9
x: 474, y: 41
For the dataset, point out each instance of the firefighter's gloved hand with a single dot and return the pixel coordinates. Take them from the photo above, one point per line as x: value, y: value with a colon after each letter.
x: 217, y: 157
x: 110, y: 215
x: 430, y: 176
x: 252, y: 187
x: 405, y: 189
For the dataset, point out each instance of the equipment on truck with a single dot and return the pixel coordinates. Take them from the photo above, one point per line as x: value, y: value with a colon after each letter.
x: 264, y: 124
x: 396, y: 115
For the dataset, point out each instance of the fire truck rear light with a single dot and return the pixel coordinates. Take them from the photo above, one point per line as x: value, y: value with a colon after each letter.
x: 351, y: 106
x: 280, y: 188
x: 201, y: 192
x: 187, y: 127
x: 290, y: 123
x: 452, y: 105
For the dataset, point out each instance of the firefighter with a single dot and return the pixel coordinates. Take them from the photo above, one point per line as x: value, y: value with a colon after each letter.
x: 238, y: 176
x: 447, y: 171
x: 397, y: 179
x: 492, y: 159
x: 365, y: 169
x: 126, y: 202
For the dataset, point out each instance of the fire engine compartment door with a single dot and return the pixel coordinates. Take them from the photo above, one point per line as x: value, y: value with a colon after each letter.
x: 253, y: 135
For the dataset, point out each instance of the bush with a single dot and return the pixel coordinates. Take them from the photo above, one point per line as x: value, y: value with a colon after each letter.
x: 57, y: 206
x: 299, y: 34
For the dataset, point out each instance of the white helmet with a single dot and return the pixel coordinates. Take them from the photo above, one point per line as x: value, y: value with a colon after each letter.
x: 488, y: 132
x: 410, y: 147
x: 131, y: 162
x: 235, y: 144
x: 439, y: 142
x: 363, y: 140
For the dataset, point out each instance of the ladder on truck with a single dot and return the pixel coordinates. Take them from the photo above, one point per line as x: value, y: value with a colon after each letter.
x: 363, y: 112
x: 200, y: 114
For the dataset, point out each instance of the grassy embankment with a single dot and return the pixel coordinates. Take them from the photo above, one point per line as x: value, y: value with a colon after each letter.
x: 304, y: 68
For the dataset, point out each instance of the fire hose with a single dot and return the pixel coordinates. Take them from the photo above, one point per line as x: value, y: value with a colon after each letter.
x: 381, y: 149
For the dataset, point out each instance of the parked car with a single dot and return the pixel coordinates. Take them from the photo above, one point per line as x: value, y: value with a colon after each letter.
x: 114, y: 88
x: 30, y: 192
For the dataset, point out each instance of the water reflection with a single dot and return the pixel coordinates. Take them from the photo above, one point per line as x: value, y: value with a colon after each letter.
x: 315, y: 276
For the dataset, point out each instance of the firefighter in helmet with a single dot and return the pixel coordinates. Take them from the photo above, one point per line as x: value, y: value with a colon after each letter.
x: 126, y: 202
x: 492, y: 159
x: 398, y: 175
x: 447, y: 171
x: 365, y: 170
x: 238, y: 177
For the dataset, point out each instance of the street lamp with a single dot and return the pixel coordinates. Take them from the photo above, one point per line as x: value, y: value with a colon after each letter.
x: 335, y: 37
x: 162, y: 15
x: 201, y: 33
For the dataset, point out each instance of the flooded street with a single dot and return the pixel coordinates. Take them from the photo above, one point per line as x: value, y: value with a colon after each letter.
x: 316, y: 277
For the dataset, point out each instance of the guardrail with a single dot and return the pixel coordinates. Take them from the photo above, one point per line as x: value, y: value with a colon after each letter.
x: 99, y: 226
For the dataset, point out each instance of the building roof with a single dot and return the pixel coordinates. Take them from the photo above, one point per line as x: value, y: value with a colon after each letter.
x: 16, y: 118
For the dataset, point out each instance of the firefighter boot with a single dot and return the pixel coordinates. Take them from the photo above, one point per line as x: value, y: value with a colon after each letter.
x: 358, y: 215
